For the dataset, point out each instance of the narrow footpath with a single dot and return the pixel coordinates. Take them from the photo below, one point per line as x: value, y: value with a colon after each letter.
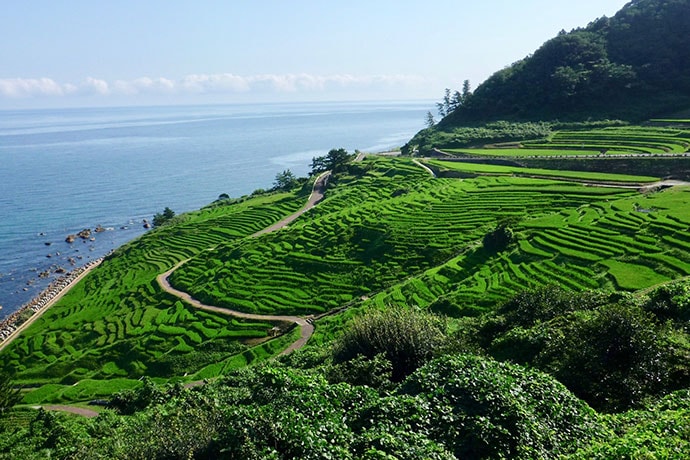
x: 305, y: 325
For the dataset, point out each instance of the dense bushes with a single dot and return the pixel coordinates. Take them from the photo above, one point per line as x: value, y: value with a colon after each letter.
x: 611, y: 357
x: 383, y: 395
x: 484, y: 409
x: 406, y: 337
x: 606, y: 349
x: 498, y: 239
x: 453, y: 407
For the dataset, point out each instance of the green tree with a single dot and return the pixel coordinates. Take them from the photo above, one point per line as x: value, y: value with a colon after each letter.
x: 335, y: 160
x: 285, y: 180
x: 161, y: 218
x: 9, y: 396
x: 430, y: 119
x: 479, y: 408
x: 498, y: 239
x: 466, y: 91
x: 444, y: 107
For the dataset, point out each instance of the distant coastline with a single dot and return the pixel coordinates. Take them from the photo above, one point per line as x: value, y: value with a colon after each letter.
x: 66, y: 170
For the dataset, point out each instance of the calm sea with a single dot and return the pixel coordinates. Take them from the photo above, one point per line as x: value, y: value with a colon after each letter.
x: 62, y: 171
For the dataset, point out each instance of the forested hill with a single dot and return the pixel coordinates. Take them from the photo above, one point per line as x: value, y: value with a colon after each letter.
x: 633, y: 66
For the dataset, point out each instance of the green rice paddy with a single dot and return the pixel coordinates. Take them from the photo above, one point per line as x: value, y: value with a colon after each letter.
x: 619, y: 140
x: 117, y: 324
x: 385, y: 233
x: 479, y: 168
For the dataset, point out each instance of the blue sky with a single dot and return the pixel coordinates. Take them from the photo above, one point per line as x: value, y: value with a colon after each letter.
x: 124, y: 52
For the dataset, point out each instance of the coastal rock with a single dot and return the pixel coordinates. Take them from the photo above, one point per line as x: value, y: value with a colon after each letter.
x: 99, y: 229
x: 70, y: 239
x: 84, y: 234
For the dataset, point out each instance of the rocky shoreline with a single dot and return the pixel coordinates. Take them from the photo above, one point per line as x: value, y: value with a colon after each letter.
x: 10, y: 324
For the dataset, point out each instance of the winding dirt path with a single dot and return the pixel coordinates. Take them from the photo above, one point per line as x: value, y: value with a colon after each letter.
x: 71, y: 409
x: 305, y: 325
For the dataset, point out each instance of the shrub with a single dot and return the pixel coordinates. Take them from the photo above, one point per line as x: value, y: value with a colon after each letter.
x: 611, y: 357
x: 498, y: 239
x: 547, y: 302
x: 480, y: 408
x: 131, y: 401
x: 9, y: 396
x: 375, y: 373
x: 671, y: 301
x: 406, y: 337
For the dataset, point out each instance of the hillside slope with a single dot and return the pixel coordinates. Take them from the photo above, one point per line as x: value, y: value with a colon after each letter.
x: 632, y: 66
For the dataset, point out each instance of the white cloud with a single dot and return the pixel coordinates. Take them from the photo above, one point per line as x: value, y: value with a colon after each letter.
x: 144, y: 85
x: 28, y: 87
x: 222, y: 83
x: 214, y: 83
x: 96, y: 85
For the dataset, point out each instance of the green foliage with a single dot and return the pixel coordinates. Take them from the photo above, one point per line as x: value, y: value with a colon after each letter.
x: 335, y: 161
x: 604, y: 348
x: 128, y: 402
x: 498, y: 239
x: 660, y: 430
x: 611, y: 357
x: 285, y: 180
x: 480, y: 408
x: 450, y: 103
x: 429, y: 120
x: 670, y: 302
x: 164, y: 217
x: 630, y: 66
x: 539, y: 305
x: 444, y: 136
x: 406, y: 337
x: 376, y: 372
x: 9, y: 395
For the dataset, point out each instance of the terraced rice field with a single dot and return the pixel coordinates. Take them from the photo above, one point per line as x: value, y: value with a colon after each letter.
x: 118, y: 323
x: 519, y: 152
x: 395, y: 225
x: 624, y: 244
x: 626, y: 140
x: 478, y: 168
x: 387, y: 233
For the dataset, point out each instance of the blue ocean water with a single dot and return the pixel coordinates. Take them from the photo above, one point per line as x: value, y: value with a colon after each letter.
x: 62, y: 171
